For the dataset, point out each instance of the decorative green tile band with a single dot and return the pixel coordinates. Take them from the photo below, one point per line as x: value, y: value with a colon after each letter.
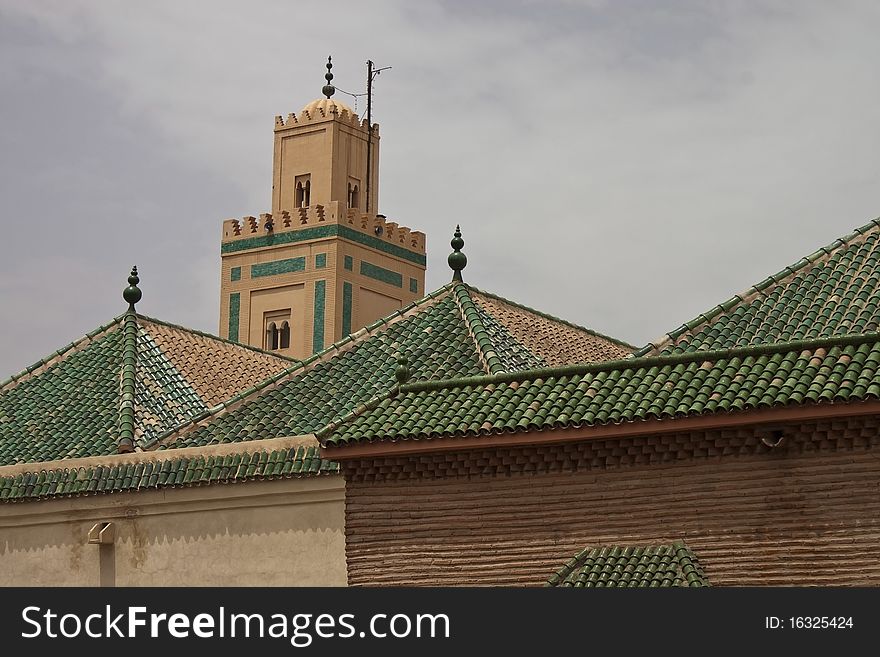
x: 381, y: 274
x: 413, y: 285
x: 235, y: 274
x: 278, y: 267
x: 346, y: 309
x: 320, y: 260
x: 349, y: 263
x: 318, y: 330
x: 318, y: 232
x: 234, y: 309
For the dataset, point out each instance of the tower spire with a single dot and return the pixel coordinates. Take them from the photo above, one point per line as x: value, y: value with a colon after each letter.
x: 329, y: 89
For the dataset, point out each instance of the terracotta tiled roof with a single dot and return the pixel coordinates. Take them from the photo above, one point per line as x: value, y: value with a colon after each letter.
x: 631, y: 567
x: 553, y: 341
x: 834, y: 291
x: 215, y: 368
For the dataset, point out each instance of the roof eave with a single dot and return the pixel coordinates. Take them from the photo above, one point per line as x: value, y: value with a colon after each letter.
x: 757, y: 417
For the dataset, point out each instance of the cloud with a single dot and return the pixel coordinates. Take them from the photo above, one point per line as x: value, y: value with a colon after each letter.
x: 622, y: 165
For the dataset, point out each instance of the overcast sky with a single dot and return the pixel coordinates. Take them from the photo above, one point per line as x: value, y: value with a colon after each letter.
x: 623, y: 165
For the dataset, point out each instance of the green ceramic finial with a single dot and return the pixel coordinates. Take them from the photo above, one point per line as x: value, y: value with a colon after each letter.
x: 132, y: 294
x: 457, y: 260
x: 402, y: 371
x: 329, y: 89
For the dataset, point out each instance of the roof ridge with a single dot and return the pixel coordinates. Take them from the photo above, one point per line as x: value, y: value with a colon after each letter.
x: 368, y: 405
x: 299, y: 367
x: 477, y: 330
x: 125, y: 420
x: 643, y: 361
x: 822, y: 254
x: 551, y: 317
x: 205, y: 334
x: 568, y: 567
x: 57, y: 356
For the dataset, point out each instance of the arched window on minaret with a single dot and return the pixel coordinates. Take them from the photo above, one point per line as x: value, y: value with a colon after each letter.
x: 302, y: 186
x: 354, y: 197
x: 284, y: 339
x: 272, y: 336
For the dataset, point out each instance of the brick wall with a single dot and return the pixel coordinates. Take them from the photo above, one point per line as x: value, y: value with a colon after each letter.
x: 806, y: 512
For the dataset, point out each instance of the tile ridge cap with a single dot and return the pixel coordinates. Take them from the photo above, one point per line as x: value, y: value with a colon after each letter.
x: 370, y: 404
x: 570, y: 566
x: 628, y: 363
x: 477, y: 330
x: 125, y: 429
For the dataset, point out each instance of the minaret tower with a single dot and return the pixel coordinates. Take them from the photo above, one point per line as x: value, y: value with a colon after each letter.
x: 324, y: 263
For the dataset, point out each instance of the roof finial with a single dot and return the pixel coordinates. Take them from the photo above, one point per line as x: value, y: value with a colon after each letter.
x: 329, y: 89
x: 402, y: 371
x: 132, y: 294
x: 457, y: 260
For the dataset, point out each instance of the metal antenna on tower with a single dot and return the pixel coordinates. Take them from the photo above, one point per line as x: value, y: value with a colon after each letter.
x: 371, y: 75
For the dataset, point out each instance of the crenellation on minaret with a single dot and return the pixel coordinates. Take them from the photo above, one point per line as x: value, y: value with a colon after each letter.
x: 372, y: 226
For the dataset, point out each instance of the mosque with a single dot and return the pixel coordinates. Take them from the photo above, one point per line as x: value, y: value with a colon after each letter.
x: 349, y: 427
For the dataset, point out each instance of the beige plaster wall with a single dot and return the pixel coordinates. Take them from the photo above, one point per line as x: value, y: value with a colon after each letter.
x: 372, y: 299
x: 280, y: 298
x: 331, y: 151
x: 285, y: 532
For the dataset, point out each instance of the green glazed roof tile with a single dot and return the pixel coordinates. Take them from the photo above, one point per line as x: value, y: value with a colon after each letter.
x: 734, y: 380
x: 172, y: 472
x: 673, y: 565
x: 448, y: 335
x: 86, y: 396
x: 834, y: 291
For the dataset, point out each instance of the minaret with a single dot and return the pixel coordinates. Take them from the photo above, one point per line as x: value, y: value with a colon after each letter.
x: 319, y: 266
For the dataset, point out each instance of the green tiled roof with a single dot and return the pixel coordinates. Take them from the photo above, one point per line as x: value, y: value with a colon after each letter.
x: 834, y: 291
x: 79, y: 401
x: 171, y: 472
x: 447, y: 335
x: 433, y: 338
x: 808, y: 335
x: 651, y: 566
x: 159, y: 385
x: 67, y: 411
x: 844, y: 369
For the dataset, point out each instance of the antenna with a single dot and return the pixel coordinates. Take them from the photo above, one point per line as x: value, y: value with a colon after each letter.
x: 371, y: 75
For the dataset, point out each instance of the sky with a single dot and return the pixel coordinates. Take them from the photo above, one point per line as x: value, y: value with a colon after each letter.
x: 622, y: 165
